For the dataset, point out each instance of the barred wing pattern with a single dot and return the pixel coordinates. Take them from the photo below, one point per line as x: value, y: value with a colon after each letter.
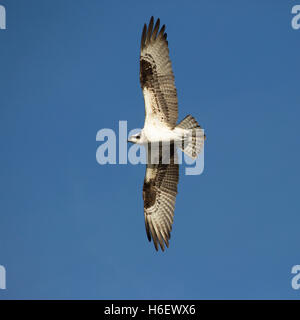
x: 156, y: 76
x: 159, y: 194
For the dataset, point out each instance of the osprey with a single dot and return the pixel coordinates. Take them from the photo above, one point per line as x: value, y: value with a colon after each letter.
x: 160, y: 129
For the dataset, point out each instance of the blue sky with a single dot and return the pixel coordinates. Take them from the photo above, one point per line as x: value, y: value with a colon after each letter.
x: 72, y: 229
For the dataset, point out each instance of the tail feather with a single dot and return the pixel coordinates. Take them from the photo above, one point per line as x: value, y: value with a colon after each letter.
x: 188, y: 122
x: 192, y: 136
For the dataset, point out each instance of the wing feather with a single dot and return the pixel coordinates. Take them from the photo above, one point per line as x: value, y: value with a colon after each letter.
x: 159, y: 194
x: 156, y: 76
x: 156, y: 28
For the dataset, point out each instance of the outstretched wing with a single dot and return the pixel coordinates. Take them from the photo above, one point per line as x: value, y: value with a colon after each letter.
x: 159, y: 194
x: 156, y: 76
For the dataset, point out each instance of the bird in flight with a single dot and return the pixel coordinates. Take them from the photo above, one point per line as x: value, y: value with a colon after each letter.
x: 160, y: 130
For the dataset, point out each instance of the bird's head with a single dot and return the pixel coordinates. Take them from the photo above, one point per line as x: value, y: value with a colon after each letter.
x: 136, y: 138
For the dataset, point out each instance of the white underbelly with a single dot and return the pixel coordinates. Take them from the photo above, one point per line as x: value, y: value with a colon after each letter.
x: 154, y: 131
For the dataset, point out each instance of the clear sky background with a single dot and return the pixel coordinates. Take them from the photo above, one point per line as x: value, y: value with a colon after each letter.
x: 70, y: 228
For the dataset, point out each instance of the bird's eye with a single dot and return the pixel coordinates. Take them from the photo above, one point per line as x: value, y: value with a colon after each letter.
x: 138, y: 137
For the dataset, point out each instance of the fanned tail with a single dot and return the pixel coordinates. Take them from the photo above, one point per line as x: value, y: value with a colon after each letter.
x: 192, y: 137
